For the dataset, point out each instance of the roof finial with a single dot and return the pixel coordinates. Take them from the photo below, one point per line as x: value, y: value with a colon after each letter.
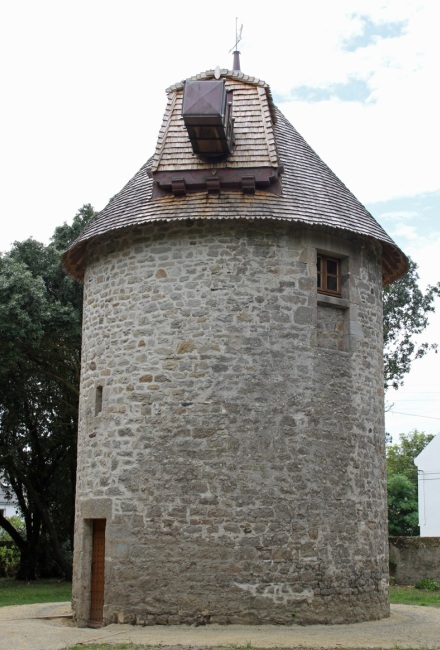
x: 236, y: 61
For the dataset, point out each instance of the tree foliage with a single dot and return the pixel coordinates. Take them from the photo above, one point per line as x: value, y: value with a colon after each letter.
x: 406, y: 314
x: 402, y: 483
x: 9, y: 553
x: 403, y: 518
x: 400, y: 456
x: 40, y: 338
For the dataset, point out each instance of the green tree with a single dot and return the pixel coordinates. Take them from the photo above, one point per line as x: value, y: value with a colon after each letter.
x: 400, y: 456
x: 402, y: 482
x: 406, y: 314
x: 403, y: 516
x: 40, y: 338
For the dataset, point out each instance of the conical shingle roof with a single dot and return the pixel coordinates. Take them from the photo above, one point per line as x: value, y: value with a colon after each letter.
x: 310, y: 193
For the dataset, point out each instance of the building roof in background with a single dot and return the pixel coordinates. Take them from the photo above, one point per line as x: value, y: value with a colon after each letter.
x: 7, y: 498
x: 429, y: 457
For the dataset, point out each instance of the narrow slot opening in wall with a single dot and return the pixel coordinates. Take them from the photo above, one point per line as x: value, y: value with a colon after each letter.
x: 97, y: 574
x: 98, y: 400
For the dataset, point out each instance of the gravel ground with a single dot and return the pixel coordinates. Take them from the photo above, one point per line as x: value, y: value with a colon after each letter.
x: 49, y: 627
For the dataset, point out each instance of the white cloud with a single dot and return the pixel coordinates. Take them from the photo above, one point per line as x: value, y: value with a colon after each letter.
x: 426, y: 253
x: 408, y: 232
x: 398, y: 215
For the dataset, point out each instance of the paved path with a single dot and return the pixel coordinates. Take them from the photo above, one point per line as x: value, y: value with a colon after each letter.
x: 49, y: 627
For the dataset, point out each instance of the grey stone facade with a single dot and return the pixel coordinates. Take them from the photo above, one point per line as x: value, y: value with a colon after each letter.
x: 238, y: 452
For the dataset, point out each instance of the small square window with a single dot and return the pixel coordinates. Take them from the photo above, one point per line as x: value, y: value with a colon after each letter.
x: 328, y: 275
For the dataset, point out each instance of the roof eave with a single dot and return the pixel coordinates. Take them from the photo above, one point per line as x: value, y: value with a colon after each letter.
x: 395, y: 264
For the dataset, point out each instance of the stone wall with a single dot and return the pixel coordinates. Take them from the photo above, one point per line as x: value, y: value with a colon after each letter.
x: 238, y: 454
x: 414, y: 558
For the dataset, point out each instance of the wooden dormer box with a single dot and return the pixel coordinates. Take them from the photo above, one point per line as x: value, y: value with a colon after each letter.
x: 207, y: 114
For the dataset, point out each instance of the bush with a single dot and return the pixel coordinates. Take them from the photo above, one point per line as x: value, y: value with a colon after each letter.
x: 427, y: 584
x: 19, y: 526
x: 9, y: 559
x: 9, y: 553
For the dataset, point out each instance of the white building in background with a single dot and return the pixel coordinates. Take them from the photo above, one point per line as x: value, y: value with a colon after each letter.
x: 428, y: 465
x: 8, y: 506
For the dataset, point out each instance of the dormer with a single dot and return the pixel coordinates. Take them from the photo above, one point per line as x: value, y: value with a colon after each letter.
x: 217, y: 136
x: 207, y: 114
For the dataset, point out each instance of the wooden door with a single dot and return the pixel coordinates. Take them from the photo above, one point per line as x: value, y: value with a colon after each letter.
x: 97, y: 574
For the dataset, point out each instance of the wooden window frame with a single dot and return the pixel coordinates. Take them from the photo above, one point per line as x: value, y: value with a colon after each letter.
x: 323, y: 275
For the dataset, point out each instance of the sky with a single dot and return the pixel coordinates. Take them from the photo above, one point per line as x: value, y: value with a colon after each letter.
x: 83, y: 94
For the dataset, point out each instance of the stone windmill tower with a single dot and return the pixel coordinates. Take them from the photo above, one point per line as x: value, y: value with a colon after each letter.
x: 231, y: 436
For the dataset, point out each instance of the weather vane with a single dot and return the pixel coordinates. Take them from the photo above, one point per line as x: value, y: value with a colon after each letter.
x: 237, y: 36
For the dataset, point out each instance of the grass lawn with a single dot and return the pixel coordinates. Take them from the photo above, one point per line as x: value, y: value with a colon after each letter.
x: 412, y: 596
x: 18, y: 592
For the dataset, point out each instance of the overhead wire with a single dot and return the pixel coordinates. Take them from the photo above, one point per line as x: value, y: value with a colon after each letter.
x: 415, y: 415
